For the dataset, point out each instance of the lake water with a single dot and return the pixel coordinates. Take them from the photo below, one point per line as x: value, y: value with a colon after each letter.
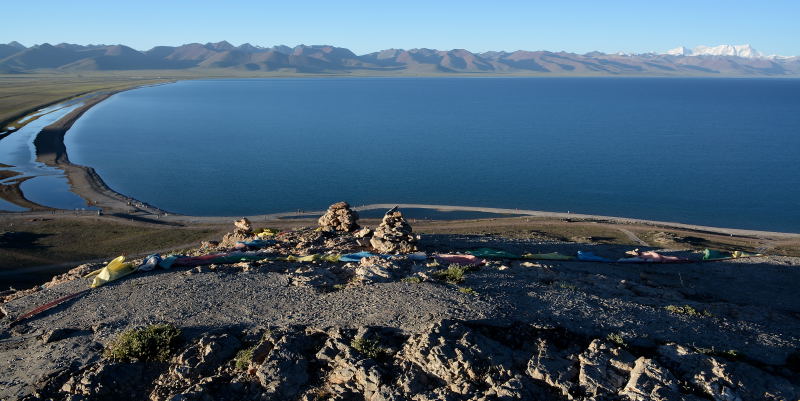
x: 720, y: 152
x: 39, y: 183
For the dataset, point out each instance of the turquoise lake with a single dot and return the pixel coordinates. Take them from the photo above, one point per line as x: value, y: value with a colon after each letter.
x: 720, y: 152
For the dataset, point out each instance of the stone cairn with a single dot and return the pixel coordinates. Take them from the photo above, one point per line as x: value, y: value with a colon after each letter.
x: 242, y: 230
x: 339, y: 217
x: 394, y: 234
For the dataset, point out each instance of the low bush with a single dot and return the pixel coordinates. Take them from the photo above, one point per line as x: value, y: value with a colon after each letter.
x: 467, y: 290
x: 687, y: 310
x: 368, y: 347
x: 156, y: 342
x: 454, y: 274
x: 243, y: 358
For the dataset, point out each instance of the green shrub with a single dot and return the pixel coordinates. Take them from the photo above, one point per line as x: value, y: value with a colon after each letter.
x: 687, y: 310
x: 616, y: 338
x: 454, y: 274
x: 243, y: 358
x: 568, y: 286
x: 467, y: 290
x: 156, y: 342
x: 370, y: 348
x: 412, y: 280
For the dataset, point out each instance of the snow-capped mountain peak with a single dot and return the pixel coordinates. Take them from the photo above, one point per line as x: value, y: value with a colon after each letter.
x: 745, y: 51
x: 680, y: 51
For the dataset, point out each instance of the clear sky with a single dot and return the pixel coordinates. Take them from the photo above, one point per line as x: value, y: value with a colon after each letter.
x: 770, y: 26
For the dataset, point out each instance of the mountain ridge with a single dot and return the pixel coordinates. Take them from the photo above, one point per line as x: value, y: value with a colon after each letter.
x: 723, y: 60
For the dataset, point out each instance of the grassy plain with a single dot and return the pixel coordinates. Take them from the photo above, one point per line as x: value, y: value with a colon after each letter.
x: 23, y: 93
x: 49, y: 241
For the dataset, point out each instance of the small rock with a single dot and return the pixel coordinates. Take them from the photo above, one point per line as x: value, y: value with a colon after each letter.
x: 56, y: 335
x: 363, y: 233
x: 209, y: 244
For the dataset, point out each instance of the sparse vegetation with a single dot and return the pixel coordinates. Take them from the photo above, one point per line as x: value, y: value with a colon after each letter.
x: 568, y: 286
x: 46, y: 241
x: 339, y: 287
x: 243, y: 357
x: 731, y: 354
x: 467, y: 290
x: 687, y: 310
x: 616, y: 338
x: 156, y: 342
x: 412, y: 280
x: 454, y: 274
x: 370, y: 348
x: 19, y: 94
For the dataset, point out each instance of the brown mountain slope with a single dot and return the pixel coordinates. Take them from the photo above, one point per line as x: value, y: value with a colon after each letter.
x: 331, y: 59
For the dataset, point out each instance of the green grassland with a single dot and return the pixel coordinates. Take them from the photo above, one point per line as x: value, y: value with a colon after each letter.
x: 43, y: 241
x: 24, y: 93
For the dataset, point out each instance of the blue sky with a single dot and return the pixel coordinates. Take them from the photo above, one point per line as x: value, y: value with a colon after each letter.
x: 771, y: 27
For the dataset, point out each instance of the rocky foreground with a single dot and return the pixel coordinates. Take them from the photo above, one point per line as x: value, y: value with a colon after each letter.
x: 294, y: 326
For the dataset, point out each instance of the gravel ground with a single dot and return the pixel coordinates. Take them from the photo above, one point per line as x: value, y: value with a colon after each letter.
x: 753, y: 304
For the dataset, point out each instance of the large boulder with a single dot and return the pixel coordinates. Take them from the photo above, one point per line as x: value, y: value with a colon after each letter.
x: 394, y: 234
x: 339, y: 217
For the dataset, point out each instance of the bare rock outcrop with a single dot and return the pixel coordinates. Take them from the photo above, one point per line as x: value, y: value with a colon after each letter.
x: 650, y: 381
x: 284, y: 371
x: 394, y: 234
x: 110, y: 380
x: 339, y: 217
x: 725, y: 380
x: 450, y: 360
x: 604, y: 369
x: 459, y: 357
x: 375, y: 269
x: 553, y: 366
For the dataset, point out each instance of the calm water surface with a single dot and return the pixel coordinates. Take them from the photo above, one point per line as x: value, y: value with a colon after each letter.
x: 41, y: 184
x: 720, y: 152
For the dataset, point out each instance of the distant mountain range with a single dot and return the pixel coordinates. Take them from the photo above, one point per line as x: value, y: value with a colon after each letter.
x: 725, y: 60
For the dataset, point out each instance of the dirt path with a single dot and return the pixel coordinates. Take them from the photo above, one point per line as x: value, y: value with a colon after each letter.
x: 633, y: 237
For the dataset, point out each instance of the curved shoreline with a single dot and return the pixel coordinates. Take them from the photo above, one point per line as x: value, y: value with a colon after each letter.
x: 500, y: 212
x: 83, y: 180
x: 86, y: 183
